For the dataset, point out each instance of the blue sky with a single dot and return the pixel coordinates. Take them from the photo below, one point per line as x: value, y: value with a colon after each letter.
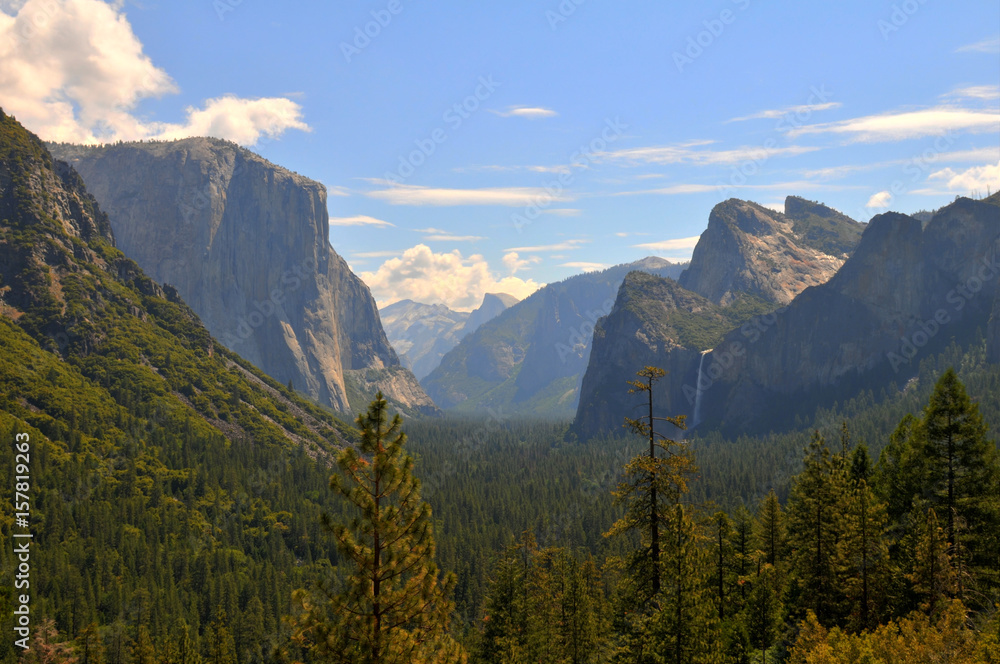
x: 650, y: 112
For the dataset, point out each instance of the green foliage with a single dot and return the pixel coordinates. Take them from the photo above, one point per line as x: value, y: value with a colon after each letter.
x: 390, y: 606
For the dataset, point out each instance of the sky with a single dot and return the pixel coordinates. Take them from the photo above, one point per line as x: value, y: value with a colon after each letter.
x: 473, y: 147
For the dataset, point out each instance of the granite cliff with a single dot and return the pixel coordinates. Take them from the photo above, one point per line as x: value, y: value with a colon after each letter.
x: 654, y: 322
x: 246, y: 244
x: 905, y: 292
x: 750, y: 249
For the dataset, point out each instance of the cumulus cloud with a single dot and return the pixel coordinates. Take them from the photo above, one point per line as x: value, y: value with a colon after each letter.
x: 879, y: 201
x: 977, y: 178
x: 515, y: 263
x: 74, y: 71
x: 458, y: 282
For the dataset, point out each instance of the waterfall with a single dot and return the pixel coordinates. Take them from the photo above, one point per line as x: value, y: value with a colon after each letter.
x: 698, y: 390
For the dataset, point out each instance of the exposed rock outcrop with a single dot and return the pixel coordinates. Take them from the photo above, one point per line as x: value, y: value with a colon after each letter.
x: 904, y: 294
x: 654, y: 322
x: 750, y: 249
x: 246, y: 244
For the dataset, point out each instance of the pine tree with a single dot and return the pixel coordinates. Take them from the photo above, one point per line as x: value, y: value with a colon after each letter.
x: 143, y: 651
x: 721, y: 553
x: 764, y: 609
x: 685, y: 627
x: 863, y: 558
x: 771, y: 530
x: 932, y: 576
x: 580, y: 629
x: 505, y: 621
x: 219, y: 640
x: 814, y: 527
x: 90, y: 645
x: 653, y: 485
x: 899, y: 474
x: 393, y: 607
x: 743, y: 554
x: 964, y: 475
x: 189, y: 652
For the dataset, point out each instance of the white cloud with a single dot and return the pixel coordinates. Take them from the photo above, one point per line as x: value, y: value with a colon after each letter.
x: 724, y: 189
x: 907, y: 124
x: 880, y: 201
x: 74, y: 71
x: 515, y: 263
x: 585, y: 266
x: 776, y: 113
x: 977, y: 178
x: 359, y: 220
x: 446, y: 278
x: 407, y: 194
x: 531, y: 112
x: 971, y: 155
x: 563, y: 212
x: 986, y: 92
x: 670, y: 245
x: 990, y: 45
x: 683, y: 153
x: 568, y: 245
x: 337, y: 191
x: 777, y: 207
x: 450, y: 237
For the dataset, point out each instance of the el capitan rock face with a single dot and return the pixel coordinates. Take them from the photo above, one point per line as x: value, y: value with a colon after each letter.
x: 246, y: 245
x: 750, y: 249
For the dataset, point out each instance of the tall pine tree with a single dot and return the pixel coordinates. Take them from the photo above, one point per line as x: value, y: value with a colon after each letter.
x: 392, y: 607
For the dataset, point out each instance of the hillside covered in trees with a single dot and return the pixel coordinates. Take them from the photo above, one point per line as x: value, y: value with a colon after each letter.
x: 182, y: 508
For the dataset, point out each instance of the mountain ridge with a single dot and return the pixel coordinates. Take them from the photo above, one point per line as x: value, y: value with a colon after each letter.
x: 246, y: 244
x: 530, y: 359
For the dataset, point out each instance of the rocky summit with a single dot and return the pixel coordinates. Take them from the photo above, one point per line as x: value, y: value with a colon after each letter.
x: 750, y: 249
x: 246, y: 245
x: 906, y: 292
